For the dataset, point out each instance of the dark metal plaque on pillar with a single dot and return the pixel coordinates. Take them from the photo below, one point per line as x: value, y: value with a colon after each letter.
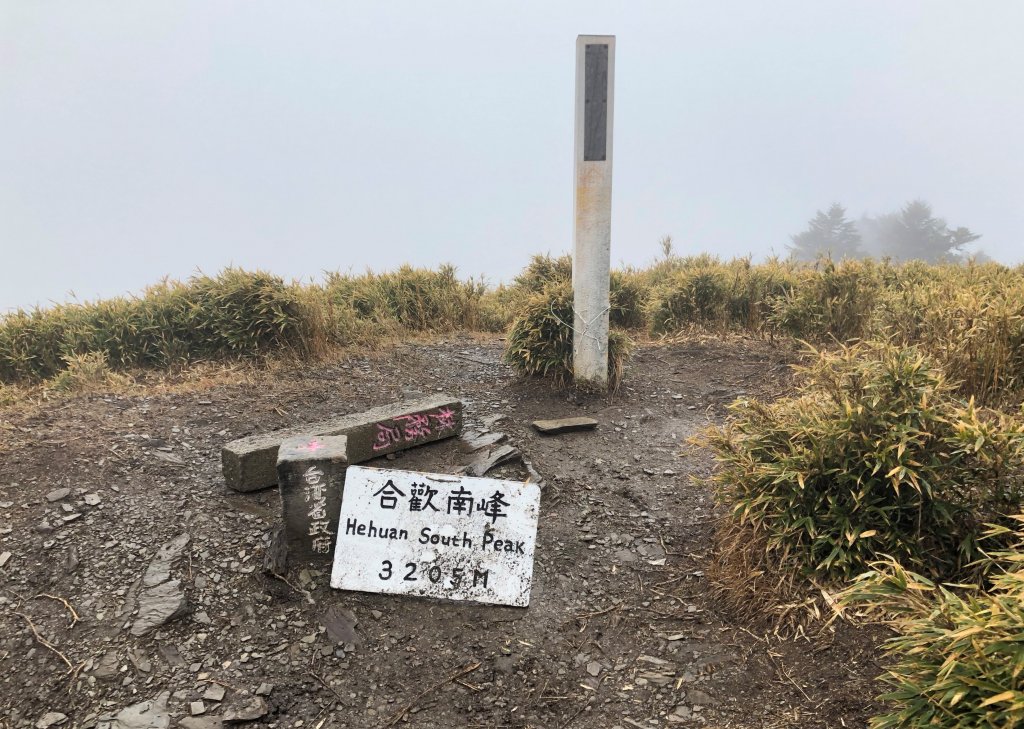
x: 595, y: 113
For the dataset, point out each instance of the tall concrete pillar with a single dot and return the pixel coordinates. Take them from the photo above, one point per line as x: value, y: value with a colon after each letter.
x: 592, y: 233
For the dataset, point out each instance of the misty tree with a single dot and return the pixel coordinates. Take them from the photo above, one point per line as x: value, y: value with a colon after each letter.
x: 915, y: 233
x: 828, y: 234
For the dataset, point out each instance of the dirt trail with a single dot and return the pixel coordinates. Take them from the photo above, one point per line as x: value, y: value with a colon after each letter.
x: 621, y: 632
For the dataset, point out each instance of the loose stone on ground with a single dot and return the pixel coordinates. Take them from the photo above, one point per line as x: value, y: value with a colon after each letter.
x: 162, y: 599
x: 564, y: 425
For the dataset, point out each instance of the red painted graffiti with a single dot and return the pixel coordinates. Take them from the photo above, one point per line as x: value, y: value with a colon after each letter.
x: 387, y: 436
x: 445, y: 418
x: 414, y: 426
x: 409, y: 428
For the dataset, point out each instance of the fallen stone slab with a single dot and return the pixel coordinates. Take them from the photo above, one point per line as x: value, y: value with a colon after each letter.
x: 340, y: 624
x: 158, y: 606
x: 492, y: 459
x: 479, y: 439
x: 564, y: 425
x: 50, y: 719
x: 250, y: 464
x: 58, y: 494
x: 311, y: 474
x: 205, y: 721
x: 275, y: 559
x: 161, y: 599
x: 152, y: 714
x: 244, y: 707
x: 159, y: 569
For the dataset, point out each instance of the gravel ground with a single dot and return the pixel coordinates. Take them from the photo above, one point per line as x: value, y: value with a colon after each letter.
x: 133, y: 594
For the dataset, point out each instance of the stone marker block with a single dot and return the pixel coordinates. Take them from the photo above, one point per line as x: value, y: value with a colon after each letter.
x: 564, y: 425
x: 250, y: 464
x: 311, y: 474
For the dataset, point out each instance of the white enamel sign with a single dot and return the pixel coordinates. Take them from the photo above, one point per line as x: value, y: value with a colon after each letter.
x: 436, y: 535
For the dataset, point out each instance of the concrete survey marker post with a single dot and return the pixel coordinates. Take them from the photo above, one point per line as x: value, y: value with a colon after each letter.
x: 436, y: 535
x: 311, y: 476
x: 592, y: 231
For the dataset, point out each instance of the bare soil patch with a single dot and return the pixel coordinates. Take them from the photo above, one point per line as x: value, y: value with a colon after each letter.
x: 622, y: 630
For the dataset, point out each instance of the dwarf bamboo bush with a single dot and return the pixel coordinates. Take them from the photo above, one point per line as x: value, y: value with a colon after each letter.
x: 702, y: 292
x: 695, y: 296
x: 875, y: 455
x: 627, y: 294
x: 419, y: 299
x: 496, y: 308
x: 970, y: 318
x: 958, y: 657
x: 543, y: 270
x: 84, y: 373
x: 235, y: 313
x: 828, y: 301
x: 540, y: 339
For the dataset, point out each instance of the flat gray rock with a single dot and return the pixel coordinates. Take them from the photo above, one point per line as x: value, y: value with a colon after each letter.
x: 201, y: 722
x: 150, y: 714
x: 245, y: 707
x: 159, y: 605
x: 168, y: 458
x: 492, y: 459
x: 477, y: 439
x: 51, y: 718
x: 57, y: 495
x: 159, y: 569
x: 341, y: 624
x: 564, y: 425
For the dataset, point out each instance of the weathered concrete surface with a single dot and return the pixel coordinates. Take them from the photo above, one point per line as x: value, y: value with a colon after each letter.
x: 311, y: 475
x: 592, y: 229
x: 250, y: 464
x: 564, y: 425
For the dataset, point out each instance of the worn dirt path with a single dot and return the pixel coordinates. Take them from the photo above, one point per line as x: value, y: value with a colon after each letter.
x: 622, y: 630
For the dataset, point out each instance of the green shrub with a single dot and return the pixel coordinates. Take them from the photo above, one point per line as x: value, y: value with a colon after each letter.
x: 959, y: 654
x: 540, y: 340
x: 828, y: 301
x: 628, y: 296
x: 706, y: 293
x: 970, y: 318
x: 234, y: 314
x: 874, y: 456
x: 542, y: 271
x: 84, y: 373
x: 497, y: 308
x: 754, y: 289
x: 419, y: 299
x: 692, y: 296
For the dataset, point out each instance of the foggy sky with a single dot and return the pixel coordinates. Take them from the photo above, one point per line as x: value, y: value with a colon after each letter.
x: 148, y: 139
